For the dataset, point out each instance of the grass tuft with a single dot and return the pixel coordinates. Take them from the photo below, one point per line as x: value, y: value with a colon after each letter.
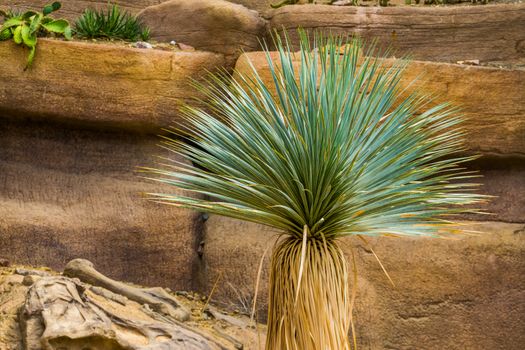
x: 112, y: 23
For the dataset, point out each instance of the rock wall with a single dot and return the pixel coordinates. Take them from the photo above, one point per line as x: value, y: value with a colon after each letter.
x: 73, y: 131
x: 71, y: 9
x: 106, y: 85
x: 259, y: 5
x: 70, y: 192
x: 445, y: 33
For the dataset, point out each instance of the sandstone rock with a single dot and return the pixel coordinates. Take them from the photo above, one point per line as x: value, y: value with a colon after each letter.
x: 71, y: 9
x: 343, y: 3
x: 489, y: 97
x: 185, y: 47
x: 449, y: 33
x: 100, y: 84
x: 69, y: 192
x: 211, y: 25
x: 449, y: 294
x: 12, y: 297
x: 504, y: 179
x: 31, y: 272
x: 142, y: 45
x: 259, y: 5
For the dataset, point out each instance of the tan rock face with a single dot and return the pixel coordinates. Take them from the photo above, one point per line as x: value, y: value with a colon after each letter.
x: 106, y: 85
x: 492, y: 32
x: 489, y: 97
x: 463, y: 294
x: 70, y: 193
x: 211, y: 25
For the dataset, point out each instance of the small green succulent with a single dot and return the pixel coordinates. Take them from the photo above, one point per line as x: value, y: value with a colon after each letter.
x: 25, y: 27
x: 112, y: 23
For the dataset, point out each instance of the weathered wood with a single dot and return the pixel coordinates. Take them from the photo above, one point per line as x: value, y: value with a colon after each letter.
x: 492, y: 99
x: 448, y: 33
x: 160, y: 302
x: 56, y: 312
x: 101, y: 84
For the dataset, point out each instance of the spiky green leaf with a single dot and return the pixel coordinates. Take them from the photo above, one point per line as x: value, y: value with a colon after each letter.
x: 332, y: 145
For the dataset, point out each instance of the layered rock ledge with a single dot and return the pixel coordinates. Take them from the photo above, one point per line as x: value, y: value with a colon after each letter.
x: 445, y: 33
x: 111, y: 85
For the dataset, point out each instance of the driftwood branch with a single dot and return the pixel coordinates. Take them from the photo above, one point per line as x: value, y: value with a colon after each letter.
x: 59, y: 313
x: 157, y: 298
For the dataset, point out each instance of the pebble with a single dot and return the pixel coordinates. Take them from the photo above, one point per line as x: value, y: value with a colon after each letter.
x: 469, y: 62
x: 29, y: 280
x: 25, y: 272
x: 173, y: 42
x: 143, y: 45
x: 4, y: 262
x: 185, y: 47
x: 342, y: 3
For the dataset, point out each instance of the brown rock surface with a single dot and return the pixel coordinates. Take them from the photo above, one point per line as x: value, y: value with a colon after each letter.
x: 448, y: 294
x: 491, y: 99
x: 110, y: 85
x: 68, y: 192
x: 211, y: 25
x: 448, y: 33
x: 503, y: 178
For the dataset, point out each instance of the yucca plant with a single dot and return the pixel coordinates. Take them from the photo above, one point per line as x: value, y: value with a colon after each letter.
x: 332, y: 148
x: 111, y: 24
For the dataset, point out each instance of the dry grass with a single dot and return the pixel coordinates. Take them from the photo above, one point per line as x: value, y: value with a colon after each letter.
x: 309, y: 296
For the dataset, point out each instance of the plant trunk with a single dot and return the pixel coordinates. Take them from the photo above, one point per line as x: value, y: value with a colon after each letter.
x: 309, y: 307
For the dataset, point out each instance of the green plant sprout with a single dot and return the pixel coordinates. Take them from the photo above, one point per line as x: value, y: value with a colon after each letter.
x: 25, y: 28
